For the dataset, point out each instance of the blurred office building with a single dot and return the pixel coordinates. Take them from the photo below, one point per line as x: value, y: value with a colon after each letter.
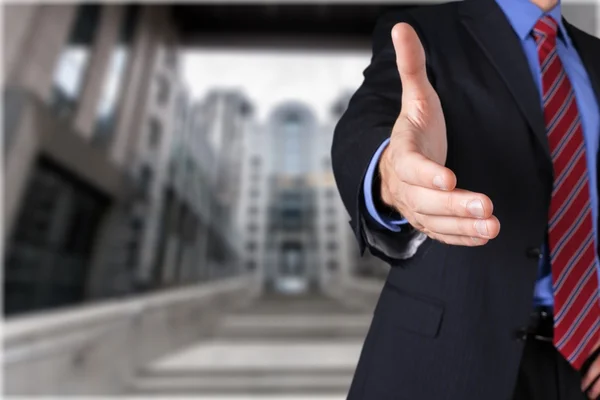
x: 95, y: 118
x: 118, y: 182
x: 292, y: 220
x: 199, y: 240
x: 294, y: 224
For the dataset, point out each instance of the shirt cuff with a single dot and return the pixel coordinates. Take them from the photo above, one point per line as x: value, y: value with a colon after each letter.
x: 391, y: 224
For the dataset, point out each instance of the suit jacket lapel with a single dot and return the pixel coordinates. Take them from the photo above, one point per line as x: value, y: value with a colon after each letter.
x: 488, y: 25
x: 590, y: 56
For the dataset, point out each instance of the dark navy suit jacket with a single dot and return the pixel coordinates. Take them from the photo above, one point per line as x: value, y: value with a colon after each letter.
x: 447, y: 325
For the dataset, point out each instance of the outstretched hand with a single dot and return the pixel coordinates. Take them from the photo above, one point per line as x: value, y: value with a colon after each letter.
x: 414, y: 179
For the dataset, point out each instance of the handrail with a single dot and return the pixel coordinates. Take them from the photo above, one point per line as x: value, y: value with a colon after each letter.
x: 24, y: 327
x: 51, y: 346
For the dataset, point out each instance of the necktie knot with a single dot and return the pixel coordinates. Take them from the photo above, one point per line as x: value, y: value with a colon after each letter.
x: 545, y: 29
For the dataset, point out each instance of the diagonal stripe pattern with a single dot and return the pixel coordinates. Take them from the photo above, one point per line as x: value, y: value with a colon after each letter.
x: 570, y: 229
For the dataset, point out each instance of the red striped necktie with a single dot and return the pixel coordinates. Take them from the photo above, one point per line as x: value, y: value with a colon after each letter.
x: 570, y: 228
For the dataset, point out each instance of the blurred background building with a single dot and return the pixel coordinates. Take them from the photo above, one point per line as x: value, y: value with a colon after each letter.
x: 171, y: 221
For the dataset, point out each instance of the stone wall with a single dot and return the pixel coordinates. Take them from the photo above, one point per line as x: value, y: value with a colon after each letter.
x: 96, y: 349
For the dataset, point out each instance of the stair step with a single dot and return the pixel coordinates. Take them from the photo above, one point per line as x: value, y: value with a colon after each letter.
x: 297, y: 326
x: 221, y: 396
x: 278, y: 348
x: 243, y: 372
x: 308, y: 383
x: 294, y: 305
x: 262, y: 356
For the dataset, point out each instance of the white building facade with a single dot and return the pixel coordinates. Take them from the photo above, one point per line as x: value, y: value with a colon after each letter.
x: 293, y: 223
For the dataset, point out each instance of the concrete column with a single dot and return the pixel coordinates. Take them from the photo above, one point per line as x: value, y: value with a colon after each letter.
x: 35, y: 69
x: 19, y: 162
x: 19, y: 21
x: 135, y: 85
x: 158, y: 156
x: 36, y: 36
x: 105, y: 41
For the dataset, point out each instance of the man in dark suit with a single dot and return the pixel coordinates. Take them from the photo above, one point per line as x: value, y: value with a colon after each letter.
x: 500, y: 99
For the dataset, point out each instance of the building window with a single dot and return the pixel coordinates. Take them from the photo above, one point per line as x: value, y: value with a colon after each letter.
x: 74, y: 60
x: 131, y: 253
x: 256, y: 161
x: 332, y: 246
x: 190, y: 226
x: 137, y: 224
x: 253, y: 210
x: 330, y: 211
x: 145, y: 181
x: 252, y: 228
x: 171, y: 57
x: 48, y: 256
x: 154, y: 132
x: 331, y: 228
x: 251, y: 265
x: 327, y: 163
x: 254, y: 193
x: 172, y: 169
x: 163, y: 90
x: 332, y: 265
x: 113, y: 82
x: 330, y: 193
x: 190, y: 166
x: 251, y: 246
x: 245, y: 108
x: 293, y: 162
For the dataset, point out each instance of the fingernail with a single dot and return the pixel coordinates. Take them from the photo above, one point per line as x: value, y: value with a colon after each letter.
x: 475, y: 207
x: 438, y: 182
x: 476, y: 240
x: 481, y: 227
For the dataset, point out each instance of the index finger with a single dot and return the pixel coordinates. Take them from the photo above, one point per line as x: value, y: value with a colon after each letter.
x: 416, y: 169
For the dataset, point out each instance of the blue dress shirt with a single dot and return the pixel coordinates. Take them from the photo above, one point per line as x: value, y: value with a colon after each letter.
x: 523, y: 15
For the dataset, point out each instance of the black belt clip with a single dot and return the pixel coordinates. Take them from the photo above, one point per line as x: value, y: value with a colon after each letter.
x: 540, y: 327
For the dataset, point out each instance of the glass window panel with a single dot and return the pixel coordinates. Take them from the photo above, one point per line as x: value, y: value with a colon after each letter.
x: 113, y: 83
x: 74, y: 59
x: 163, y: 90
x: 155, y: 134
x: 292, y: 160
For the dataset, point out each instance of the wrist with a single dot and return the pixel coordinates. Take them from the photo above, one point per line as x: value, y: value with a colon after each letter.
x: 380, y: 188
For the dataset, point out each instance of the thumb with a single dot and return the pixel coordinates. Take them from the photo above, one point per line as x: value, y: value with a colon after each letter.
x: 410, y: 59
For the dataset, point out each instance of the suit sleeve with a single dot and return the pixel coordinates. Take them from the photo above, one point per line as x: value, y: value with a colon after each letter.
x: 364, y: 127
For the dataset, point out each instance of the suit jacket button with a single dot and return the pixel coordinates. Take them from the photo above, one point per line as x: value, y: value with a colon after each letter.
x: 534, y: 252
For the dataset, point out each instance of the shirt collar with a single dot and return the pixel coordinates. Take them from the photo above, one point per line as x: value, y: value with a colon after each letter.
x: 523, y: 15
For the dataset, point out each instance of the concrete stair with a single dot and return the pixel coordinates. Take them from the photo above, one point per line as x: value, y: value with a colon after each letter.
x: 286, y: 327
x: 247, y: 382
x: 279, y: 317
x: 267, y: 352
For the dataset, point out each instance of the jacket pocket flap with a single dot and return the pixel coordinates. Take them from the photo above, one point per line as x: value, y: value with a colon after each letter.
x: 410, y: 312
